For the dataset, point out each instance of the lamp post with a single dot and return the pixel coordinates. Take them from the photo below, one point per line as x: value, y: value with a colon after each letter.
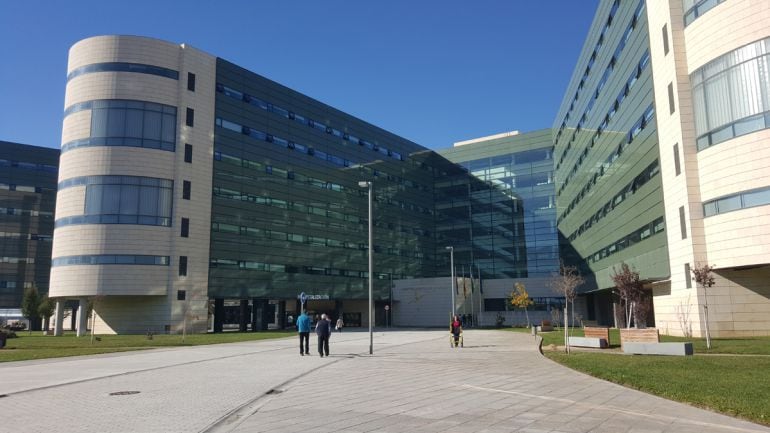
x: 368, y: 185
x: 452, y: 265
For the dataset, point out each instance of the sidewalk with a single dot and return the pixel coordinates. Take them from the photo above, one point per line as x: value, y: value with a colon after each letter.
x: 414, y: 382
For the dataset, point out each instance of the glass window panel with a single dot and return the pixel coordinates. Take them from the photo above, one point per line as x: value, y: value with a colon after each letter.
x: 728, y: 204
x: 129, y: 200
x: 116, y: 123
x: 152, y: 125
x: 717, y: 92
x: 164, y: 202
x: 99, y: 123
x: 756, y: 198
x: 93, y: 199
x: 168, y: 130
x: 745, y: 126
x: 148, y: 200
x: 710, y: 209
x: 110, y: 199
x: 134, y: 122
x: 746, y: 98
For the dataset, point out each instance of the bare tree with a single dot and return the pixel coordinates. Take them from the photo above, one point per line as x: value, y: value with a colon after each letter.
x: 630, y: 291
x: 565, y: 284
x: 702, y: 275
x: 683, y: 316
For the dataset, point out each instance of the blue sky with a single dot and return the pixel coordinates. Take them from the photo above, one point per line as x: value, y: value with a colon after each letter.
x: 433, y: 71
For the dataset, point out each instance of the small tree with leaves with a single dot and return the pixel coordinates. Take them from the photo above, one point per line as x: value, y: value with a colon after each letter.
x: 520, y: 299
x: 630, y: 291
x: 702, y: 275
x: 565, y: 284
x: 46, y: 310
x: 29, y: 306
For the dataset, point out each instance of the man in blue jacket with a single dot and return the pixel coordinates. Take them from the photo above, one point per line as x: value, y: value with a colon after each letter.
x: 303, y: 326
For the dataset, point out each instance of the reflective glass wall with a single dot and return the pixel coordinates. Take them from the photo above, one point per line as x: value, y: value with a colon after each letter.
x: 503, y: 217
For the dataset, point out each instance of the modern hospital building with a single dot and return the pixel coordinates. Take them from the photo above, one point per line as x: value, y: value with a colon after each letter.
x: 193, y: 192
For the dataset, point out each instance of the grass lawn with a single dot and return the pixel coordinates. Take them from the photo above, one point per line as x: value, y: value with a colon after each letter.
x: 731, y: 346
x: 37, y: 346
x: 733, y: 385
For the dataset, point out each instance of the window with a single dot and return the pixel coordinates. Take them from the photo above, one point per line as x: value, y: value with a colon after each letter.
x: 182, y: 266
x: 190, y: 118
x: 682, y: 222
x: 671, y: 107
x: 181, y: 295
x: 687, y: 276
x: 191, y: 81
x: 186, y: 186
x: 185, y: 232
x: 729, y: 97
x: 123, y: 67
x: 677, y: 168
x: 122, y: 200
x: 104, y: 259
x: 665, y: 39
x: 118, y: 122
x: 188, y: 153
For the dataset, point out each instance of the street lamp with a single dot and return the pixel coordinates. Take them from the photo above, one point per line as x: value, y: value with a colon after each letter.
x: 367, y: 184
x: 452, y: 265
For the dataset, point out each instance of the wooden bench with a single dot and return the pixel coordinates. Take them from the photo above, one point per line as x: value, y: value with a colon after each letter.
x: 597, y: 332
x: 545, y: 325
x: 632, y: 335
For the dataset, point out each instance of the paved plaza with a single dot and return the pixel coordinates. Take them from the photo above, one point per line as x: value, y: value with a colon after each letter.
x: 414, y: 382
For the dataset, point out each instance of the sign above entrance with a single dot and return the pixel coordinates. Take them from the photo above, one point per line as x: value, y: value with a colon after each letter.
x: 312, y: 297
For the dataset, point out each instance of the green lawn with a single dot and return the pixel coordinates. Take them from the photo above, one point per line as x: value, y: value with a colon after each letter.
x: 733, y: 385
x: 733, y: 382
x: 37, y: 346
x: 731, y: 346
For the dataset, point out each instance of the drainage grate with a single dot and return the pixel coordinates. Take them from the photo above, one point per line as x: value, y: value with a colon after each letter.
x: 125, y: 392
x: 274, y: 391
x: 3, y: 395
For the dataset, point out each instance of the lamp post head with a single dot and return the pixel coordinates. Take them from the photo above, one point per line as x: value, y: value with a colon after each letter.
x: 364, y: 184
x: 450, y: 248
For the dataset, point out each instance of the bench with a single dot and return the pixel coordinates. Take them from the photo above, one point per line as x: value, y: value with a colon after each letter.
x: 545, y: 325
x: 597, y: 333
x: 632, y: 335
x: 673, y: 349
x: 598, y: 343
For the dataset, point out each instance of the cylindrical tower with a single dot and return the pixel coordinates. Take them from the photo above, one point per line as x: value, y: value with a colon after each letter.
x: 712, y: 93
x: 133, y: 206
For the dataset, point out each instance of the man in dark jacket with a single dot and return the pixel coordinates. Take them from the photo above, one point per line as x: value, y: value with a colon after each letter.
x: 303, y: 327
x: 323, y: 330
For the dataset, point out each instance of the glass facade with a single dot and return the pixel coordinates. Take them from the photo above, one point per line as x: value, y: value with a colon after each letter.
x: 502, y: 219
x: 27, y: 205
x: 288, y: 215
x: 609, y: 197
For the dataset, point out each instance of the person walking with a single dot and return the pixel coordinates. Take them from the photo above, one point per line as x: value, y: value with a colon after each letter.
x: 340, y: 324
x: 303, y: 326
x: 323, y: 330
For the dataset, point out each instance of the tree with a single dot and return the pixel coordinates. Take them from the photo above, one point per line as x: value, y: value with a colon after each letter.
x: 565, y: 284
x: 520, y: 299
x: 630, y: 291
x: 702, y: 275
x: 29, y: 306
x: 45, y: 310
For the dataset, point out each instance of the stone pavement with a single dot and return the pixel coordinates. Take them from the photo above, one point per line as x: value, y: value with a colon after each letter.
x: 414, y: 382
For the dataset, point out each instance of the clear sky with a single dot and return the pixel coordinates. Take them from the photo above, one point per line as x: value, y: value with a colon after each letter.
x: 433, y: 71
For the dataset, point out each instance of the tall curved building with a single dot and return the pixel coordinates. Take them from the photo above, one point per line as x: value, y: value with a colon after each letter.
x: 132, y: 224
